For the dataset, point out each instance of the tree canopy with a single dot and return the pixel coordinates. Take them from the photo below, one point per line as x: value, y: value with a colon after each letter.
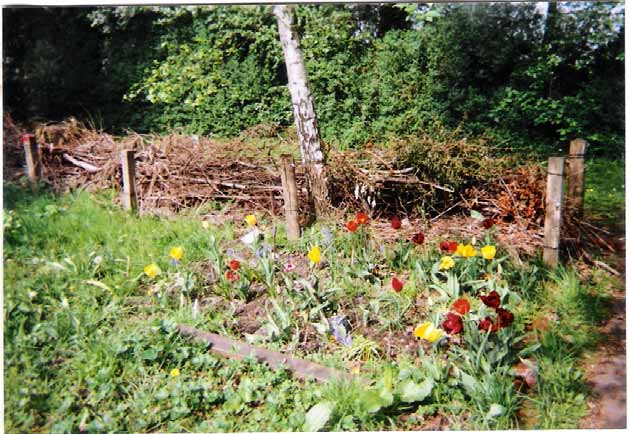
x: 377, y: 71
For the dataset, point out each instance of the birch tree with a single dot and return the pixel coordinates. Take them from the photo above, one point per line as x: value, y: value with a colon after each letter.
x: 303, y: 110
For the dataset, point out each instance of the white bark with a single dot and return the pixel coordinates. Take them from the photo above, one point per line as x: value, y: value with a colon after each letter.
x: 303, y: 109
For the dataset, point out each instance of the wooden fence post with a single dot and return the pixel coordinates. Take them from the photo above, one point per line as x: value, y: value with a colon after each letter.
x: 576, y: 177
x: 129, y: 197
x: 33, y: 164
x: 291, y: 204
x: 552, y: 222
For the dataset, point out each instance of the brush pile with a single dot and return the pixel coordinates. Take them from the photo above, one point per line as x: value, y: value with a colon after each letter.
x: 172, y: 172
x: 516, y: 196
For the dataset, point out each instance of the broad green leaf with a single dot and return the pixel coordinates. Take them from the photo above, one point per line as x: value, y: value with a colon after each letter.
x: 318, y: 416
x: 495, y: 410
x: 413, y: 392
x: 386, y: 396
x: 149, y: 354
x: 372, y: 401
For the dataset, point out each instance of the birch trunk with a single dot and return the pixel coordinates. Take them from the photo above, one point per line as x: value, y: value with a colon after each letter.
x: 303, y: 108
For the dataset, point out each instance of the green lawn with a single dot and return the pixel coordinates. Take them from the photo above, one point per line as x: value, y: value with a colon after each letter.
x: 79, y: 356
x: 605, y: 192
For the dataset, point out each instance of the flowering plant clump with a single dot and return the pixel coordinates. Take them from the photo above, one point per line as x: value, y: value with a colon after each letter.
x: 504, y: 318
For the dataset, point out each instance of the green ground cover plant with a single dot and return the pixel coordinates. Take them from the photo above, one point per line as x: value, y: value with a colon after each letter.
x: 429, y: 327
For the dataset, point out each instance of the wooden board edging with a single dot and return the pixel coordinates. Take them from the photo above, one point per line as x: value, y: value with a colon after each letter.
x: 239, y: 350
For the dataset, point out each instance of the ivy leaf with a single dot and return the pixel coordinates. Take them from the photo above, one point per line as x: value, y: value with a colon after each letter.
x: 318, y: 416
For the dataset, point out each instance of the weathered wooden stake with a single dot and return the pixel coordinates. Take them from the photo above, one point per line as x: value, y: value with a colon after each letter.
x: 129, y: 197
x: 552, y: 222
x: 33, y: 164
x: 576, y: 177
x: 291, y: 205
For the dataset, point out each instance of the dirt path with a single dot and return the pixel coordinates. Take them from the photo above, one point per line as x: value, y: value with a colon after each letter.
x: 605, y: 373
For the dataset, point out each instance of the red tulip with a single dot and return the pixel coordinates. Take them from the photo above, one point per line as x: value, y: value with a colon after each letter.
x: 418, y: 238
x: 231, y: 276
x: 234, y: 265
x: 351, y: 226
x: 453, y: 324
x: 461, y: 306
x: 487, y: 223
x: 362, y: 218
x: 486, y: 325
x: 505, y: 318
x: 448, y: 246
x: 492, y: 299
x: 397, y: 284
x: 396, y: 223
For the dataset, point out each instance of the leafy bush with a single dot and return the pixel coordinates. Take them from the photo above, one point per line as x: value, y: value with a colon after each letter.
x: 375, y: 71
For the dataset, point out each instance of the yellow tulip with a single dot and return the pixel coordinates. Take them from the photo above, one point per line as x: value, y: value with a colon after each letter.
x: 460, y: 249
x: 446, y: 263
x: 176, y: 253
x: 315, y: 255
x: 466, y: 251
x: 205, y: 224
x: 428, y: 331
x: 251, y: 220
x: 174, y: 372
x: 152, y: 270
x: 488, y: 252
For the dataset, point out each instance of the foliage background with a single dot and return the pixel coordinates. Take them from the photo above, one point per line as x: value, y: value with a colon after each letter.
x: 505, y: 71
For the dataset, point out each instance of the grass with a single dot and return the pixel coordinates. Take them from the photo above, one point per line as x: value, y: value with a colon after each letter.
x: 605, y: 192
x: 79, y: 357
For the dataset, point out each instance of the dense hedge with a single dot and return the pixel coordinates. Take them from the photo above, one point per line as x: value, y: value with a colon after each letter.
x: 377, y: 72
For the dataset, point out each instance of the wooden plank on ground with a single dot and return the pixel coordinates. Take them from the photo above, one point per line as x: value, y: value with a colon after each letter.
x: 234, y: 349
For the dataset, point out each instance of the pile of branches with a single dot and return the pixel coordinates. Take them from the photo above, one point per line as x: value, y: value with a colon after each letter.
x: 517, y: 195
x: 422, y: 174
x: 419, y: 175
x: 172, y: 172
